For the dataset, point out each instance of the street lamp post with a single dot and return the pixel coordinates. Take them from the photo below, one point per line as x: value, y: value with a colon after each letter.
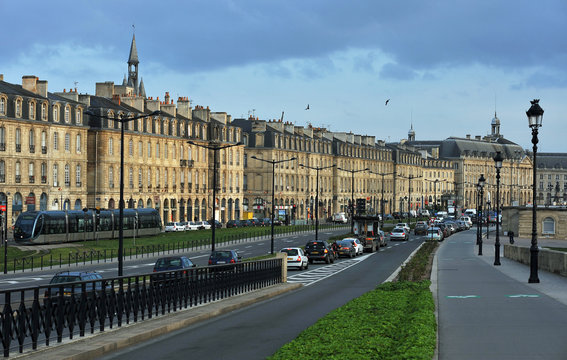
x: 122, y: 121
x: 488, y: 204
x: 352, y: 172
x: 273, y: 162
x: 535, y: 117
x: 498, y: 164
x: 215, y: 147
x: 382, y: 198
x: 317, y: 194
x: 480, y: 187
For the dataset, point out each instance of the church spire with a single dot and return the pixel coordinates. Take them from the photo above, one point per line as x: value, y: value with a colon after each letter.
x: 133, y: 59
x: 133, y: 66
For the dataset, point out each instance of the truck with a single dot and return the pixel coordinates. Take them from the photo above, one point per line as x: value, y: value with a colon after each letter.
x: 340, y: 217
x: 367, y: 229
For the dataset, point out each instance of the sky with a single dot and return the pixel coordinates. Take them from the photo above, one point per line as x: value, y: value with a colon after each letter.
x: 446, y: 66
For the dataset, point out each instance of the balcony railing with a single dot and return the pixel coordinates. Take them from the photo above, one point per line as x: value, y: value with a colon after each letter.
x: 44, y: 179
x: 31, y: 179
x: 78, y: 184
x: 67, y: 183
x: 18, y: 147
x: 2, y: 178
x: 18, y: 179
x: 44, y: 149
x: 32, y: 149
x: 2, y: 146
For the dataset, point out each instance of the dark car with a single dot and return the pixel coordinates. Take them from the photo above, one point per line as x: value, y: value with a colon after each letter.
x: 172, y: 263
x: 74, y: 276
x: 319, y: 250
x: 267, y: 221
x: 246, y: 223
x: 218, y: 257
x: 218, y: 225
x: 345, y: 248
x: 420, y: 228
x: 233, y: 224
x: 277, y: 222
x: 256, y: 222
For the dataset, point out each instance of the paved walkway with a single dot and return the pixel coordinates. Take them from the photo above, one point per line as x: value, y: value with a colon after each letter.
x: 491, y: 312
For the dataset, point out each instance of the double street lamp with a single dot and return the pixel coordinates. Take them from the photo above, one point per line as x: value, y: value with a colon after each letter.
x: 498, y: 165
x: 352, y: 172
x: 382, y: 199
x: 535, y: 117
x: 273, y: 162
x: 214, y: 147
x: 317, y: 169
x: 122, y: 120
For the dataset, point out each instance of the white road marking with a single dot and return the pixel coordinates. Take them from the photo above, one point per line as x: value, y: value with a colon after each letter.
x: 311, y: 277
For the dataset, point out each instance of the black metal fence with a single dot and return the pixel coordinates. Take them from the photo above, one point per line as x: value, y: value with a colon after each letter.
x: 38, y: 315
x: 31, y: 263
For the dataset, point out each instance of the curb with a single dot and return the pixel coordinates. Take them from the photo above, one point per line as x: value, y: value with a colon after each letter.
x: 103, y: 343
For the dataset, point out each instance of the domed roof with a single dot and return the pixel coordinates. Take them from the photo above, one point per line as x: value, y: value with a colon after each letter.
x: 495, y: 120
x: 411, y: 131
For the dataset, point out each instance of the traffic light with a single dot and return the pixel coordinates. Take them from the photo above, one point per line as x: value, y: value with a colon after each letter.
x: 360, y: 205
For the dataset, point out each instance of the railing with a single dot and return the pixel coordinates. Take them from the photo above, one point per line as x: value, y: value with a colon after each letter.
x: 44, y: 149
x: 41, y: 314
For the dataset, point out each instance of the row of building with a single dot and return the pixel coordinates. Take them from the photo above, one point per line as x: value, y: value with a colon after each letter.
x: 61, y: 150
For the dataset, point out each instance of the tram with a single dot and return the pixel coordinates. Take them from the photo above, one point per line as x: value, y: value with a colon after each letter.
x: 54, y: 227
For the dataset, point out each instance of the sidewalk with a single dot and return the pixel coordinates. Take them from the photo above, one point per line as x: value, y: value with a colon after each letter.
x: 491, y: 312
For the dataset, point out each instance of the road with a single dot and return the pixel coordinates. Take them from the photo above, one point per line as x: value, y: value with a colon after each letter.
x: 258, y: 331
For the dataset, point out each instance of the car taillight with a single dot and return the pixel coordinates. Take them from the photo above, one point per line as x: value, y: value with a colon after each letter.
x: 232, y: 261
x: 299, y: 258
x: 326, y: 251
x: 210, y: 262
x: 155, y: 270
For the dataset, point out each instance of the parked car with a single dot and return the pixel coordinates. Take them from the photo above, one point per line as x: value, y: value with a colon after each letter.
x: 444, y: 229
x: 74, y: 276
x: 218, y: 224
x: 233, y: 224
x: 224, y: 257
x: 246, y: 223
x: 277, y: 222
x: 192, y: 225
x: 174, y: 226
x: 357, y: 245
x: 420, y: 228
x: 296, y: 258
x: 172, y: 263
x: 267, y: 221
x: 319, y: 250
x: 466, y: 219
x: 434, y: 234
x: 382, y: 238
x: 399, y: 233
x: 185, y: 224
x: 345, y: 248
x: 405, y: 226
x: 203, y: 225
x: 256, y: 222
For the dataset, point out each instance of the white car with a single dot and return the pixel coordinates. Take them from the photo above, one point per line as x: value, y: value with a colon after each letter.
x: 405, y: 226
x: 467, y: 220
x: 174, y: 226
x: 357, y: 245
x: 296, y: 258
x: 203, y: 225
x: 435, y: 234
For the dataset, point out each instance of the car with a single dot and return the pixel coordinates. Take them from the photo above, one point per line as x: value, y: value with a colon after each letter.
x: 172, y: 263
x: 256, y: 222
x: 444, y: 229
x: 345, y: 248
x: 174, y: 226
x: 233, y: 224
x: 185, y: 224
x: 218, y: 224
x: 319, y: 250
x: 296, y: 258
x: 466, y: 219
x: 267, y: 221
x: 63, y: 277
x: 382, y: 238
x: 399, y: 233
x: 192, y: 225
x: 203, y: 225
x: 277, y: 222
x: 434, y: 234
x: 420, y: 228
x: 405, y: 226
x: 246, y: 223
x: 388, y: 217
x: 218, y: 257
x: 357, y: 245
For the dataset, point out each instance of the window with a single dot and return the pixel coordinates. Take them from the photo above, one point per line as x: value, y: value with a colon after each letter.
x: 78, y: 176
x: 78, y: 143
x: 110, y: 177
x: 18, y: 108
x: 110, y: 146
x: 140, y: 178
x: 67, y: 142
x: 78, y: 117
x: 43, y: 142
x: 18, y: 140
x: 165, y: 150
x: 157, y: 151
x: 149, y: 150
x: 2, y: 138
x: 32, y: 141
x: 44, y: 173
x: 131, y: 148
x: 18, y: 172
x: 2, y: 106
x: 548, y: 226
x: 2, y: 171
x: 67, y: 175
x: 55, y: 171
x: 67, y: 114
x: 131, y: 178
x: 140, y: 149
x: 31, y: 110
x: 149, y: 177
x: 56, y: 113
x: 44, y: 112
x: 55, y: 141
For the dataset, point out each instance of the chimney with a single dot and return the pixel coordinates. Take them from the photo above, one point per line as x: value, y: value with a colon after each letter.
x: 1, y: 77
x: 116, y: 99
x: 477, y: 137
x: 468, y: 136
x: 166, y: 98
x: 29, y: 83
x: 42, y: 88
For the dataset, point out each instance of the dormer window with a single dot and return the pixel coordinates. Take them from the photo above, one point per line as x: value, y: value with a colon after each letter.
x: 2, y: 106
x: 44, y: 112
x: 18, y: 108
x: 32, y: 110
x: 78, y: 116
x: 56, y: 113
x: 67, y: 114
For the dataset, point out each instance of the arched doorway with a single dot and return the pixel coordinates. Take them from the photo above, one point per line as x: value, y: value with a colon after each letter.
x: 130, y: 203
x: 189, y: 210
x: 237, y: 209
x: 78, y: 204
x: 30, y: 202
x: 149, y: 203
x: 166, y: 217
x: 196, y: 210
x: 182, y: 210
x: 230, y: 215
x: 17, y: 205
x: 203, y: 210
x: 140, y: 203
x: 223, y: 211
x: 111, y: 204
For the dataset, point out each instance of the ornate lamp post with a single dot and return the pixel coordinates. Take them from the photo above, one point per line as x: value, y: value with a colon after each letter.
x: 535, y: 117
x: 273, y: 162
x: 352, y: 194
x: 498, y: 165
x: 317, y: 194
x: 122, y: 121
x: 480, y: 187
x: 215, y: 147
x: 488, y: 208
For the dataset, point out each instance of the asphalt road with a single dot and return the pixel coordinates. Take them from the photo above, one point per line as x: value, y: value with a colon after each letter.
x: 258, y: 331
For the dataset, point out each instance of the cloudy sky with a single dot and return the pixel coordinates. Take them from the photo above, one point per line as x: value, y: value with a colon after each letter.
x: 445, y: 65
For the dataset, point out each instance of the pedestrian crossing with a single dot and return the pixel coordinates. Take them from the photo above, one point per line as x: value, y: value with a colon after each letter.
x: 310, y: 277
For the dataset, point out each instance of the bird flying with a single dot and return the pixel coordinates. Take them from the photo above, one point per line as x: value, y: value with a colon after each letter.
x: 387, y: 101
x: 307, y: 108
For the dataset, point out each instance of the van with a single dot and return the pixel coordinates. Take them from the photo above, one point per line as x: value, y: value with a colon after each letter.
x: 340, y: 218
x: 467, y: 220
x: 469, y: 212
